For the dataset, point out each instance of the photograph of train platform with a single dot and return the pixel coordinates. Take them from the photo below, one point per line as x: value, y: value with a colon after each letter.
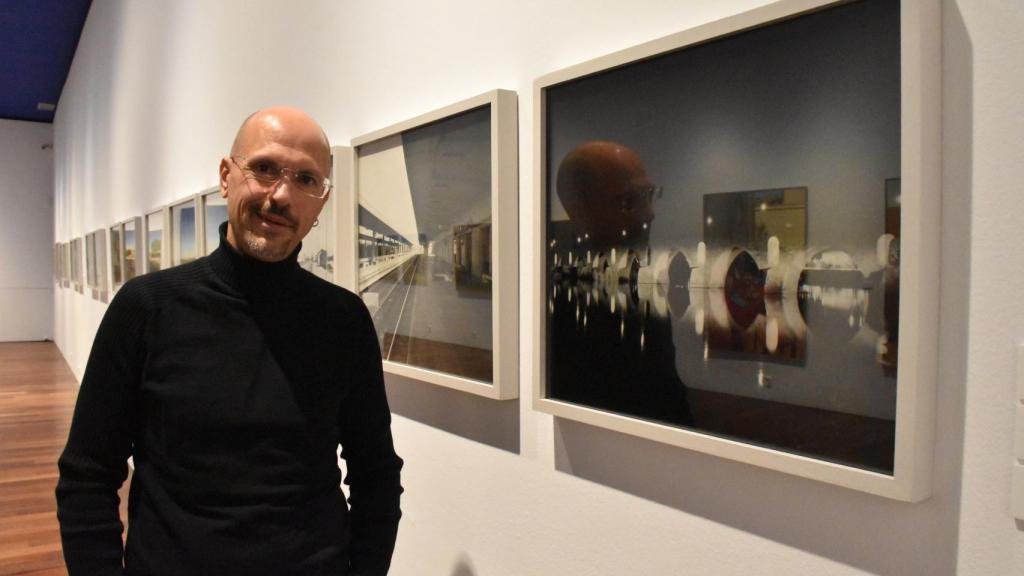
x: 424, y: 244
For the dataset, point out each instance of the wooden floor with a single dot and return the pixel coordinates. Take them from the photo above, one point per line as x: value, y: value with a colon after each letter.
x: 37, y: 398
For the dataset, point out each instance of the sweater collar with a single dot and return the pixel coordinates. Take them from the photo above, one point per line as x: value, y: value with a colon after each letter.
x: 250, y: 275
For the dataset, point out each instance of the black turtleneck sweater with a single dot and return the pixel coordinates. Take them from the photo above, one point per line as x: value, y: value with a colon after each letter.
x: 232, y: 383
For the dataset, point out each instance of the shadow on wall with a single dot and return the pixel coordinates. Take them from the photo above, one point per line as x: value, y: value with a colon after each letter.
x: 870, y: 533
x: 957, y: 197
x: 463, y: 567
x: 491, y: 422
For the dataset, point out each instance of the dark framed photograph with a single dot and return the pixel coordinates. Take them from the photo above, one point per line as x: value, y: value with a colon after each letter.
x: 719, y: 267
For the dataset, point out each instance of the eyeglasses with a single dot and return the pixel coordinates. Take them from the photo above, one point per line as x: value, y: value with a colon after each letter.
x: 268, y: 173
x: 639, y: 196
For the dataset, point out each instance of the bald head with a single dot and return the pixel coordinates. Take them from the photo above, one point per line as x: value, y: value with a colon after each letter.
x: 267, y: 219
x: 290, y: 126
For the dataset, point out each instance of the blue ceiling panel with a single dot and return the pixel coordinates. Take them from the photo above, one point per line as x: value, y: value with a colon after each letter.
x: 37, y: 43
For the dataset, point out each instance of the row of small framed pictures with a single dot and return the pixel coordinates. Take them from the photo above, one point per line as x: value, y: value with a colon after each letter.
x: 136, y: 245
x: 738, y: 251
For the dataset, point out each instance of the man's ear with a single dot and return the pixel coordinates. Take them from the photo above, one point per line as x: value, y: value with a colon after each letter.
x: 225, y: 169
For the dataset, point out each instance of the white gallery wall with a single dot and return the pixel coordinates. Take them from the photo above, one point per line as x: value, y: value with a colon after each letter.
x: 26, y: 231
x: 157, y: 90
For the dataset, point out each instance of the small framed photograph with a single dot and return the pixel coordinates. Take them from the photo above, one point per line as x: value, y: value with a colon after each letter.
x: 320, y: 246
x: 434, y: 254
x: 77, y: 276
x: 155, y: 224
x: 96, y: 264
x: 740, y: 250
x: 65, y: 264
x: 185, y: 237
x: 116, y: 256
x: 58, y: 272
x: 214, y: 213
x: 132, y: 247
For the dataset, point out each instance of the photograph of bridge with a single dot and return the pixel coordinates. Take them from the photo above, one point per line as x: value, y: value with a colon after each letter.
x: 723, y: 238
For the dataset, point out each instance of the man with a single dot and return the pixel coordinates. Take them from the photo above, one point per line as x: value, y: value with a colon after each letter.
x: 232, y: 380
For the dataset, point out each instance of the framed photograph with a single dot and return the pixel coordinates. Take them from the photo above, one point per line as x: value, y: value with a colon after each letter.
x: 214, y: 213
x: 319, y: 247
x: 65, y: 264
x: 90, y: 260
x: 132, y: 247
x: 185, y: 231
x: 57, y: 272
x: 77, y: 280
x: 719, y: 268
x: 116, y: 256
x: 155, y: 223
x: 434, y: 248
x: 96, y: 264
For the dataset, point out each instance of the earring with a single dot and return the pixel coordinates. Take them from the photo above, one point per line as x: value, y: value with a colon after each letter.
x: 316, y: 223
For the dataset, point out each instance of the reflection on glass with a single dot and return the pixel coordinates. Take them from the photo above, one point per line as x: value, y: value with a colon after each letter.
x: 425, y: 244
x: 889, y: 256
x: 130, y: 261
x: 755, y: 242
x: 154, y: 241
x: 183, y: 232
x: 721, y: 259
x: 115, y: 255
x: 216, y: 208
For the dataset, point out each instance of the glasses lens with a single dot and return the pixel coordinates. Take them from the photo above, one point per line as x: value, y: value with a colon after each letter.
x: 268, y: 173
x: 263, y: 171
x: 307, y: 183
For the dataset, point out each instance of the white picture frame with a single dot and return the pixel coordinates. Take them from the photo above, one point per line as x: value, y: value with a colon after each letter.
x: 96, y: 264
x: 920, y: 91
x: 116, y: 255
x: 156, y: 238
x: 77, y: 264
x: 185, y: 226
x: 319, y: 250
x: 503, y: 238
x: 133, y: 247
x: 212, y: 212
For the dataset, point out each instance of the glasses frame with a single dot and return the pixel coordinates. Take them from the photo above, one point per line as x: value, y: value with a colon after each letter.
x: 248, y: 174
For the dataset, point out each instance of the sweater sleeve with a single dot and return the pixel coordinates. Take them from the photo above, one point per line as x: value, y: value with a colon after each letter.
x: 373, y: 467
x: 94, y: 462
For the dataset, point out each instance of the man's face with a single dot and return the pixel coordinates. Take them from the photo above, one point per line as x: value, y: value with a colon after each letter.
x: 268, y: 221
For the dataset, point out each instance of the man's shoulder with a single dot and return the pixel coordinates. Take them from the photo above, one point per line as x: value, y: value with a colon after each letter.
x: 325, y: 288
x: 326, y: 291
x: 161, y: 282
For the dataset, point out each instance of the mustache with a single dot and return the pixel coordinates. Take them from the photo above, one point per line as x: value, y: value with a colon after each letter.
x: 269, y: 207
